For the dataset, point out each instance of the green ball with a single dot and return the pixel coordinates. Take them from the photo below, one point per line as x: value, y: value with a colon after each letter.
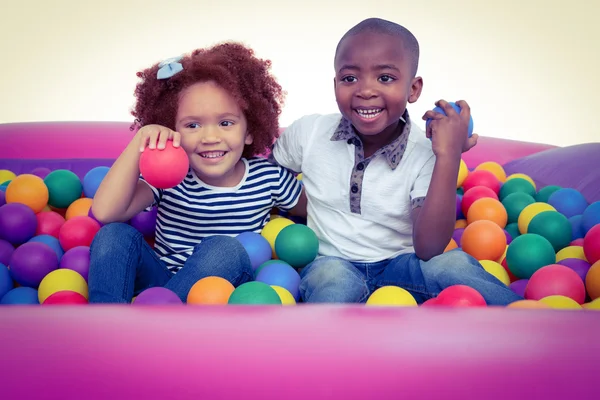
x: 254, y: 293
x: 544, y: 194
x: 297, y: 245
x: 528, y: 253
x: 553, y: 226
x: 513, y: 230
x: 64, y: 187
x: 460, y: 191
x: 516, y: 185
x: 514, y: 203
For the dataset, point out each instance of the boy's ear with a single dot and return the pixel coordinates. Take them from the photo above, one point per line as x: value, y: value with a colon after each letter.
x: 415, y: 89
x: 249, y: 139
x: 334, y: 83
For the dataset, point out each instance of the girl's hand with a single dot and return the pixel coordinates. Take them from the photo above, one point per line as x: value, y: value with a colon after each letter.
x: 156, y: 136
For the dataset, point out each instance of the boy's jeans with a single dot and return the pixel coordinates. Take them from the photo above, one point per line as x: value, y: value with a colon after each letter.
x: 335, y: 280
x: 122, y: 264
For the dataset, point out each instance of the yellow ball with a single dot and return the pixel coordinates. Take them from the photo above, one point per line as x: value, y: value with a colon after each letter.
x: 391, y: 296
x: 527, y: 304
x: 561, y: 302
x: 272, y: 229
x: 592, y: 305
x: 503, y: 256
x: 497, y: 270
x: 286, y: 297
x: 299, y: 176
x: 494, y: 168
x: 529, y: 212
x: 59, y: 280
x: 6, y: 175
x: 523, y: 176
x: 463, y: 172
x: 571, y: 252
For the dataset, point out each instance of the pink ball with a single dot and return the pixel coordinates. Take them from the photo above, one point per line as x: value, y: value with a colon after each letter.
x: 77, y: 231
x: 482, y: 178
x: 577, y: 242
x: 164, y: 168
x: 591, y: 244
x: 555, y: 279
x: 65, y: 297
x: 460, y: 296
x: 49, y: 223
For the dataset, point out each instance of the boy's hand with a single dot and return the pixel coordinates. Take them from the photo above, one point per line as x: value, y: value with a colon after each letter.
x: 156, y: 136
x: 449, y: 133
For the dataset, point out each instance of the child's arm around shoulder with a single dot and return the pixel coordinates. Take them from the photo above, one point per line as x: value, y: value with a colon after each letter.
x: 434, y: 220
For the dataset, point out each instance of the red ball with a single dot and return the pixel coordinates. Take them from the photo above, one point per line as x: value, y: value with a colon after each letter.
x: 460, y: 296
x: 482, y: 177
x: 164, y: 168
x: 474, y: 194
x: 430, y: 302
x: 511, y: 276
x: 78, y: 231
x: 591, y: 244
x: 49, y: 223
x: 65, y: 297
x: 555, y: 279
x: 577, y: 242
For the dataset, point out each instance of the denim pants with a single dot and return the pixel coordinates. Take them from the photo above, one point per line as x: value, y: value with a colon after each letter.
x: 122, y: 264
x: 335, y: 280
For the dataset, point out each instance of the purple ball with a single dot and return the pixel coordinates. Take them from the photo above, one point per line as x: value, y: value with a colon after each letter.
x: 519, y: 286
x: 580, y: 266
x: 157, y: 295
x: 459, y: 213
x: 17, y: 223
x: 508, y: 237
x: 42, y: 172
x: 145, y: 222
x: 91, y: 215
x: 77, y: 259
x: 457, y: 235
x: 2, y: 198
x: 31, y: 262
x: 6, y: 250
x: 258, y: 248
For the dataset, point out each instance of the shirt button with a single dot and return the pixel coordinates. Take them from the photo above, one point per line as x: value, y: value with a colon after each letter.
x: 354, y: 189
x: 350, y: 141
x: 360, y: 166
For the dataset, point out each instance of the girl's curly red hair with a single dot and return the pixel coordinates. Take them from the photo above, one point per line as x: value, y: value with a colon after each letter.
x: 232, y: 66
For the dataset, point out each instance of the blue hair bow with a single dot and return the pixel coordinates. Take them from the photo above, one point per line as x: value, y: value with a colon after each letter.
x: 169, y: 67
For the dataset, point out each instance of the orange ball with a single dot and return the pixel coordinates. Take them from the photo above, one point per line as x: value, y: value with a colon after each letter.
x: 461, y: 223
x: 451, y: 245
x: 489, y: 209
x: 592, y: 281
x: 484, y: 240
x: 494, y: 168
x: 527, y: 304
x: 80, y: 207
x: 210, y: 290
x: 28, y: 189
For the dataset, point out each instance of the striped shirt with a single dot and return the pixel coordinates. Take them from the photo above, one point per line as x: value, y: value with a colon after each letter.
x: 193, y: 210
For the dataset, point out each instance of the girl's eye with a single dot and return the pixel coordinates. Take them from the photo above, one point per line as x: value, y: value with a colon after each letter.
x: 386, y: 78
x: 349, y: 79
x: 227, y: 123
x: 193, y: 125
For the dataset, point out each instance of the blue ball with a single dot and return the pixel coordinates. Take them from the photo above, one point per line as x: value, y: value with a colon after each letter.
x: 92, y: 180
x: 4, y: 186
x: 569, y: 202
x: 576, y: 228
x: 457, y: 108
x: 21, y: 295
x: 6, y: 282
x: 52, y: 242
x: 590, y: 217
x: 281, y: 274
x: 257, y: 247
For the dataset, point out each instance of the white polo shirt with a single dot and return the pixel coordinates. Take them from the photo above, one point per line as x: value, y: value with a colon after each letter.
x: 359, y: 208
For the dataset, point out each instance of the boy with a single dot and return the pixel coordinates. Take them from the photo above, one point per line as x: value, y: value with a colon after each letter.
x: 381, y: 195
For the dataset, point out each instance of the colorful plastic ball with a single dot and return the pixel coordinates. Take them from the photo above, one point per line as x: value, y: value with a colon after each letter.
x: 544, y: 194
x: 50, y: 241
x: 29, y: 190
x: 92, y: 180
x: 591, y: 244
x: 463, y: 172
x: 145, y: 222
x: 592, y: 281
x: 286, y: 297
x: 283, y: 275
x: 515, y: 203
x: 529, y: 212
x: 80, y: 207
x: 64, y: 188
x: 460, y: 296
x: 512, y: 276
x: 6, y: 250
x: 552, y: 225
x: 521, y: 176
x: 272, y: 229
x: 31, y: 262
x: 482, y: 178
x: 78, y: 260
x: 581, y: 267
x: 590, y: 217
x: 457, y: 235
x: 20, y: 296
x: 576, y: 227
x: 528, y: 253
x: 527, y: 304
x: 568, y: 202
x: 560, y: 302
x: 577, y: 242
x: 157, y: 296
x: 474, y: 194
x: 488, y: 209
x: 391, y: 296
x: 49, y: 223
x: 91, y: 215
x: 592, y: 305
x: 451, y: 246
x: 459, y: 214
x: 257, y: 247
x: 460, y: 224
x: 516, y: 185
x: 555, y: 279
x: 6, y: 282
x: 571, y: 252
x: 484, y: 240
x: 460, y: 191
x: 519, y: 286
x: 297, y: 245
x: 494, y: 168
x: 210, y: 290
x: 497, y: 270
x: 78, y: 231
x: 254, y: 293
x: 59, y: 280
x: 17, y: 223
x: 65, y: 297
x: 4, y: 185
x: 42, y: 172
x: 261, y: 266
x: 457, y: 108
x: 513, y: 230
x: 6, y: 175
x: 2, y: 198
x: 164, y: 168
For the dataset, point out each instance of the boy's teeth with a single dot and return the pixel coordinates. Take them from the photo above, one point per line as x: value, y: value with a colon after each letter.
x: 212, y: 154
x: 369, y: 113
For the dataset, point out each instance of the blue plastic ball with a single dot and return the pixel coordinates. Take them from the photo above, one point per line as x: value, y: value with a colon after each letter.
x: 590, y: 217
x: 576, y: 228
x: 569, y: 202
x: 457, y: 108
x: 52, y: 242
x: 281, y: 274
x: 92, y: 180
x: 257, y: 247
x: 21, y: 295
x: 6, y: 282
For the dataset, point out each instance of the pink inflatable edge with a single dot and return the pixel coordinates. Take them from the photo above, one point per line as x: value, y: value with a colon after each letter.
x: 95, y: 139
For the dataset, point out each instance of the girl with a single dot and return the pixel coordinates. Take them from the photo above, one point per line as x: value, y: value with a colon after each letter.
x: 221, y: 105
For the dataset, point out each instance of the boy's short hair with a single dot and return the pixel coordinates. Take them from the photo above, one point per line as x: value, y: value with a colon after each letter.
x: 378, y: 25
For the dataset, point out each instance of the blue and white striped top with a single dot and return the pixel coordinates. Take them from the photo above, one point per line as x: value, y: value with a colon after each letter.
x: 193, y: 210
